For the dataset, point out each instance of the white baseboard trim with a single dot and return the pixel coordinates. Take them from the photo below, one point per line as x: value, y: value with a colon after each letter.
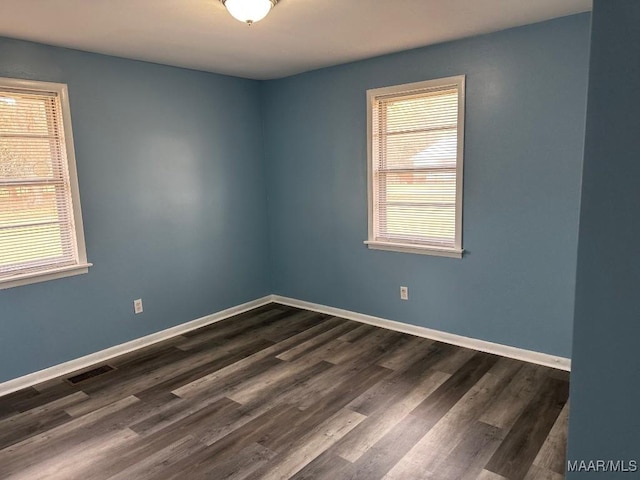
x: 545, y: 359
x: 117, y: 350
x: 102, y: 356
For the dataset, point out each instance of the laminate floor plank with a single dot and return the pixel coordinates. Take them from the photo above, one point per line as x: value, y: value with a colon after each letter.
x: 284, y: 393
x: 357, y: 333
x: 277, y: 380
x: 386, y: 452
x: 139, y: 447
x: 133, y: 383
x: 152, y: 465
x: 468, y: 458
x: 52, y: 393
x: 186, y: 406
x: 412, y: 347
x: 379, y: 342
x: 23, y: 425
x: 19, y: 418
x: 324, y: 467
x: 247, y: 317
x: 539, y: 473
x: 487, y: 475
x: 306, y: 448
x: 293, y: 324
x: 231, y: 444
x: 302, y: 421
x: 143, y: 354
x: 10, y: 400
x: 451, y: 363
x: 317, y: 341
x: 77, y: 462
x: 516, y: 454
x: 233, y: 327
x: 307, y: 393
x: 376, y: 426
x: 10, y: 434
x: 224, y: 424
x: 552, y: 455
x: 232, y: 467
x: 207, y: 382
x: 229, y: 357
x: 432, y: 452
x: 51, y: 443
x: 7, y: 411
x: 351, y: 366
x: 448, y: 394
x: 508, y: 406
x: 395, y: 386
x: 135, y: 371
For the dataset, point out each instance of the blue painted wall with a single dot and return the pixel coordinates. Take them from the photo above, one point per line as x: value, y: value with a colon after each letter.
x: 174, y: 185
x: 605, y: 420
x: 172, y: 189
x: 526, y: 100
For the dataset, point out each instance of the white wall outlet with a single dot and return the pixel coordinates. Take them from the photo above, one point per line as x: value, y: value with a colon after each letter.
x: 137, y: 306
x: 404, y: 293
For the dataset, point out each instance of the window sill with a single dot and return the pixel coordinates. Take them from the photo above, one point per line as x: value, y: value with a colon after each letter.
x: 43, y: 276
x: 419, y: 249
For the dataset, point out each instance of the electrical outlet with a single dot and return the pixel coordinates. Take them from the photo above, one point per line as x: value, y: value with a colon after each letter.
x: 404, y: 293
x: 137, y: 306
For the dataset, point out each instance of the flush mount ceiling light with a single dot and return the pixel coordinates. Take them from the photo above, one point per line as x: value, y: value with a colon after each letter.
x: 249, y: 11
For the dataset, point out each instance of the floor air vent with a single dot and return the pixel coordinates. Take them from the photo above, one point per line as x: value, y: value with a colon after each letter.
x: 81, y: 377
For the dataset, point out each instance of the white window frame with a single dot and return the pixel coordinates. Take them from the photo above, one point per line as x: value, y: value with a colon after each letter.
x: 81, y: 266
x: 409, y: 89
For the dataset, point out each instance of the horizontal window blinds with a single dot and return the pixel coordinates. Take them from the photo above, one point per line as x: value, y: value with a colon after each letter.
x: 414, y: 165
x: 36, y: 216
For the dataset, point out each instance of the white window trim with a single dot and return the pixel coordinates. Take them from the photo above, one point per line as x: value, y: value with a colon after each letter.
x: 414, y: 248
x: 82, y: 266
x: 43, y: 276
x: 372, y: 243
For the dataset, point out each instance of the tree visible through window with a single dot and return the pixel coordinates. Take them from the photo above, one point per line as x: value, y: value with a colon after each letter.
x: 40, y: 222
x: 415, y: 167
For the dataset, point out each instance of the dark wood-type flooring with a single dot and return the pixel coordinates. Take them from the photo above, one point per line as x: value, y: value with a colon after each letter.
x: 279, y: 393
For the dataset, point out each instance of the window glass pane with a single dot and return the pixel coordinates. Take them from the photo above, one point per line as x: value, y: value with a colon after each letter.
x: 419, y: 224
x: 25, y: 114
x: 27, y: 158
x: 37, y: 228
x: 415, y: 164
x: 22, y: 204
x: 422, y: 187
x: 421, y: 149
x: 432, y: 110
x: 40, y: 243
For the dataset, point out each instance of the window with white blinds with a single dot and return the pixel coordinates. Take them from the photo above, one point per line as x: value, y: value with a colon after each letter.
x: 41, y: 233
x: 416, y: 134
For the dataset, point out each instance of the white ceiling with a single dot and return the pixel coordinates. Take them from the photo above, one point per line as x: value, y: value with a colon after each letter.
x: 297, y: 36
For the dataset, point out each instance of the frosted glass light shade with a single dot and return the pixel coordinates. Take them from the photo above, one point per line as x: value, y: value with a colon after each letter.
x: 249, y: 11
